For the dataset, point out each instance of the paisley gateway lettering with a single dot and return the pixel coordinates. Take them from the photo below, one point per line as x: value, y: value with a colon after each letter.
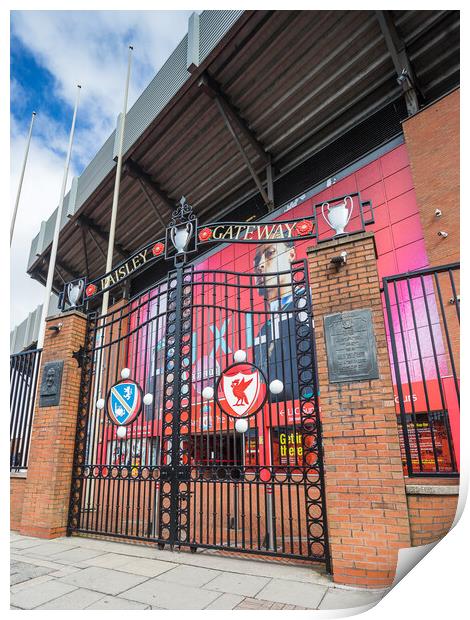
x: 126, y: 269
x: 258, y: 232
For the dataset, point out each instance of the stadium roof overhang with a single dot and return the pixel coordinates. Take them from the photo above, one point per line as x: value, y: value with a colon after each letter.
x: 276, y: 88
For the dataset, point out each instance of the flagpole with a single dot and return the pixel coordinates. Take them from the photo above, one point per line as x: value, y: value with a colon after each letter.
x: 55, y: 241
x: 117, y: 183
x: 93, y: 429
x: 15, y: 210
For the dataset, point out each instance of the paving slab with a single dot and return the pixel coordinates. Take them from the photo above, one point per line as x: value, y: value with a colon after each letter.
x: 293, y: 592
x: 33, y: 596
x: 26, y: 543
x: 190, y: 575
x: 46, y: 550
x: 102, y: 580
x: 110, y: 602
x: 109, y: 560
x: 76, y: 555
x: 94, y: 571
x: 337, y: 598
x: 77, y: 599
x: 226, y: 601
x: 35, y: 561
x: 30, y: 583
x: 259, y: 568
x: 234, y: 583
x: 148, y: 567
x: 254, y: 604
x: 126, y: 549
x: 22, y: 571
x: 170, y: 595
x: 65, y: 570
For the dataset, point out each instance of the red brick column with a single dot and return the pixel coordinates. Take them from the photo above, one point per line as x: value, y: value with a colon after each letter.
x: 365, y: 491
x: 432, y: 140
x: 433, y: 143
x: 47, y: 491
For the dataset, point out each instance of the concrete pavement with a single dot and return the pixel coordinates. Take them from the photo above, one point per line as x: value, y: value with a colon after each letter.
x: 85, y: 573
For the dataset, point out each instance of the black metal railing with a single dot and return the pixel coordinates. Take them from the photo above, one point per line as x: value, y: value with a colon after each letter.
x: 423, y: 321
x: 24, y: 370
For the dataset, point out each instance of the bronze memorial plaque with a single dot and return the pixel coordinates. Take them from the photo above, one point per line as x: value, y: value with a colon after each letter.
x: 51, y: 382
x: 350, y: 346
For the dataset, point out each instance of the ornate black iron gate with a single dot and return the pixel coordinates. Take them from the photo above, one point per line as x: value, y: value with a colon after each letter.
x: 205, y: 465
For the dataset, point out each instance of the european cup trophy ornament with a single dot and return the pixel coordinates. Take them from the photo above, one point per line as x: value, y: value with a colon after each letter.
x: 182, y: 227
x: 180, y: 236
x: 338, y: 215
x: 75, y: 292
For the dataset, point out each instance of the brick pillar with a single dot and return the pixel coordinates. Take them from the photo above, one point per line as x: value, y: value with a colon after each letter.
x: 365, y: 491
x: 47, y: 492
x: 432, y: 140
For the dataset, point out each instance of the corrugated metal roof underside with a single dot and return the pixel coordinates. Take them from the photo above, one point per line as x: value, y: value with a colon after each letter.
x: 300, y: 79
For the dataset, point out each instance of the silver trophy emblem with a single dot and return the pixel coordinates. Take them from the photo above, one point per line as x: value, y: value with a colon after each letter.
x: 74, y: 292
x: 338, y: 215
x: 180, y: 236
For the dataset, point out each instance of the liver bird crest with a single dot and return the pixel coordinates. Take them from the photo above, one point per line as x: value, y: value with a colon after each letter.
x: 239, y: 391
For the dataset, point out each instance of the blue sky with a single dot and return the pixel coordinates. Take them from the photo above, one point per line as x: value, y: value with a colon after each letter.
x: 31, y: 86
x: 50, y: 53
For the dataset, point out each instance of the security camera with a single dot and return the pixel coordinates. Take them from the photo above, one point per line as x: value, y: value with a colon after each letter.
x: 404, y: 78
x: 438, y: 213
x: 442, y: 233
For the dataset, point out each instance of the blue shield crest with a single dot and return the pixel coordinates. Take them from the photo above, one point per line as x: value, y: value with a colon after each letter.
x: 124, y: 402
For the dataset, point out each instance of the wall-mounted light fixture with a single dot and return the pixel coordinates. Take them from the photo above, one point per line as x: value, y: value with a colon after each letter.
x: 55, y: 328
x: 438, y: 213
x: 339, y: 261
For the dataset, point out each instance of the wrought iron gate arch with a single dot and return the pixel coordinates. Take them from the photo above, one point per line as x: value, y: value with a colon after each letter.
x: 183, y: 475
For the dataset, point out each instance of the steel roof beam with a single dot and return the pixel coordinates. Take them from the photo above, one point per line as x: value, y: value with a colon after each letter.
x: 89, y: 224
x: 249, y: 165
x: 68, y: 270
x: 98, y: 246
x: 85, y: 251
x: 151, y: 203
x: 57, y: 270
x: 397, y: 48
x: 231, y: 118
x: 137, y: 172
x: 212, y: 89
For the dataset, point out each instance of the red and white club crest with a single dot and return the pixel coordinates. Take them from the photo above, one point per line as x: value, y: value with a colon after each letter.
x: 241, y: 390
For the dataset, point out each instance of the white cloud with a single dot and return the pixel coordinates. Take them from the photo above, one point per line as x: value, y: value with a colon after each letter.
x: 87, y: 47
x: 90, y: 48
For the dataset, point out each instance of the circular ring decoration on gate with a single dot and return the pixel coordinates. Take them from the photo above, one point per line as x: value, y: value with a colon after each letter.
x: 241, y: 390
x: 124, y: 402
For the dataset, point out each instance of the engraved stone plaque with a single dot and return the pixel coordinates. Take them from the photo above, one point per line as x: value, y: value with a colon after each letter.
x: 350, y: 346
x: 51, y: 382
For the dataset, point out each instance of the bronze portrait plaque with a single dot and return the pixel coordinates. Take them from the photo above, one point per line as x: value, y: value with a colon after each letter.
x: 51, y: 383
x: 350, y: 346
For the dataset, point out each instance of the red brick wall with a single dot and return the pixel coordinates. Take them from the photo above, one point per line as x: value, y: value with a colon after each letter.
x: 365, y: 491
x: 432, y: 140
x: 47, y: 492
x: 17, y: 487
x: 431, y: 517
